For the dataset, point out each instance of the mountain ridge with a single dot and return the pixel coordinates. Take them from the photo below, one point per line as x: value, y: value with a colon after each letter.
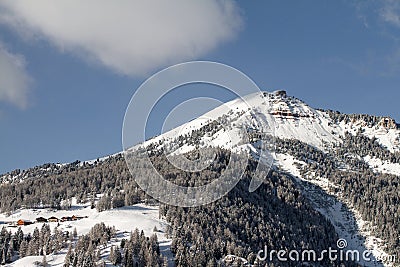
x: 346, y: 167
x: 285, y: 110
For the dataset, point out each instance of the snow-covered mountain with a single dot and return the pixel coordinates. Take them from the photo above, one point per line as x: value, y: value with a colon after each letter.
x: 347, y: 166
x: 277, y: 113
x: 284, y: 117
x: 288, y: 118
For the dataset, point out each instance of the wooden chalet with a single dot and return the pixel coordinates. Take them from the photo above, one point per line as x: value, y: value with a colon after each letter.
x: 75, y: 218
x: 66, y: 219
x: 41, y: 220
x: 22, y: 222
x: 53, y: 219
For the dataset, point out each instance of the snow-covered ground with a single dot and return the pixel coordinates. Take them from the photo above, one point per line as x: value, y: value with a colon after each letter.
x: 345, y: 218
x: 383, y: 166
x: 280, y: 115
x: 125, y: 220
x: 261, y: 112
x: 388, y: 138
x: 52, y: 260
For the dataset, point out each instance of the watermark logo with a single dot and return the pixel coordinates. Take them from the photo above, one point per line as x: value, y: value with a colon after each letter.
x: 254, y: 114
x: 342, y: 253
x: 341, y: 243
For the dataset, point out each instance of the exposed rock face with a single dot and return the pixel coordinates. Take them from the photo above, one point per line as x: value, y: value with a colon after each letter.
x: 280, y: 93
x: 288, y: 107
x: 388, y: 123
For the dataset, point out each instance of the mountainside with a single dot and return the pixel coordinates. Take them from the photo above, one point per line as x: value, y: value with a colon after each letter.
x: 333, y: 176
x: 285, y: 117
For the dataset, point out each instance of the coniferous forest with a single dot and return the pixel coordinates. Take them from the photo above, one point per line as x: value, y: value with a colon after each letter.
x: 277, y: 214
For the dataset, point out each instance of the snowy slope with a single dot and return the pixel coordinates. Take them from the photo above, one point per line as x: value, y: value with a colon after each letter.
x: 387, y: 137
x: 272, y: 113
x: 341, y: 214
x: 381, y: 166
x: 289, y: 118
x: 261, y: 113
x: 277, y: 114
x: 124, y: 219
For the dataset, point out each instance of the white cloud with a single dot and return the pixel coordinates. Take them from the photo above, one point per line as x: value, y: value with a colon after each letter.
x: 14, y: 80
x: 129, y: 37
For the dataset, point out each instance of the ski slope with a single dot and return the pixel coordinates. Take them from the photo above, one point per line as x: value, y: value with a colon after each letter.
x: 125, y: 220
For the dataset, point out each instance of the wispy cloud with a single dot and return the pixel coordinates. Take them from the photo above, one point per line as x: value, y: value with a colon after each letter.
x: 377, y: 12
x: 14, y: 80
x: 390, y: 12
x: 383, y: 18
x: 129, y: 37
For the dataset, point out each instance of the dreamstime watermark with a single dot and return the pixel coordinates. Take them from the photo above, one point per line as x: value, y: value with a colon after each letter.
x: 154, y: 89
x: 331, y: 254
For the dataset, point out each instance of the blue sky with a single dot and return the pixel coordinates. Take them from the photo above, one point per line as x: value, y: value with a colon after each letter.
x: 65, y: 81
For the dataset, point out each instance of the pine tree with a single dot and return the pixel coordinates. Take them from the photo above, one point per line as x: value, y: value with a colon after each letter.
x: 3, y: 255
x: 68, y: 257
x: 112, y: 257
x: 33, y: 248
x: 74, y: 233
x: 9, y: 254
x: 19, y: 235
x: 211, y: 263
x: 118, y: 256
x: 11, y: 248
x: 23, y: 249
x: 92, y: 201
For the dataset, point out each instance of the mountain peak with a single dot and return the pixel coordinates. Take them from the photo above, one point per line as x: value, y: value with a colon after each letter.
x: 280, y: 93
x: 279, y: 114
